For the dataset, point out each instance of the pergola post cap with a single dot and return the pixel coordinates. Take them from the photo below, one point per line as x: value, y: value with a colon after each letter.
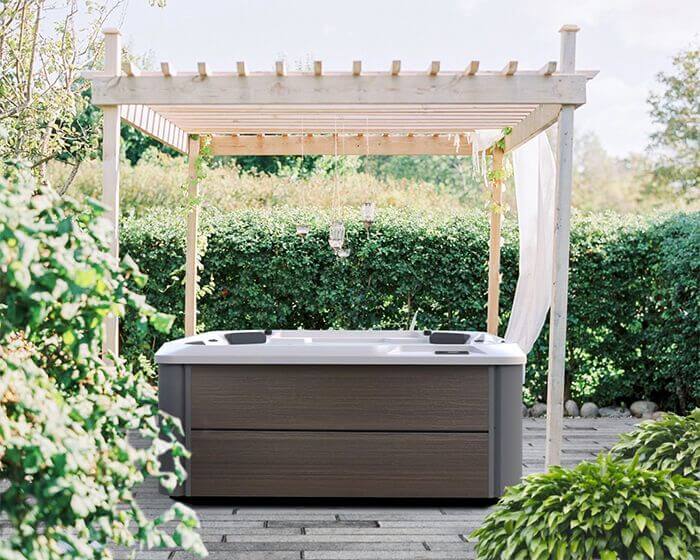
x: 111, y: 31
x: 569, y: 28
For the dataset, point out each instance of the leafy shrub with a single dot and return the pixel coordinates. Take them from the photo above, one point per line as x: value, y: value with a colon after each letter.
x: 633, y: 287
x: 605, y: 509
x: 67, y: 469
x: 671, y: 443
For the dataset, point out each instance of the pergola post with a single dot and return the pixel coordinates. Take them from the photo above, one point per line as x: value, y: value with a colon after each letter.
x: 495, y: 242
x: 110, y: 173
x: 191, y: 247
x: 560, y: 280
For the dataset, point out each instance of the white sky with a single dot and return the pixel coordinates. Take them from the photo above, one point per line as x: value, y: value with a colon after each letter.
x: 629, y: 41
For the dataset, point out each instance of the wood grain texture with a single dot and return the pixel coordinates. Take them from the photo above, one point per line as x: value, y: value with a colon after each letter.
x: 308, y: 397
x: 339, y: 464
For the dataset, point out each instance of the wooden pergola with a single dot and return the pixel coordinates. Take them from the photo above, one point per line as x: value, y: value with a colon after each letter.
x: 396, y: 112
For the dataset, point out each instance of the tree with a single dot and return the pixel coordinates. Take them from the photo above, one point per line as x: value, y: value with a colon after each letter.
x: 675, y: 145
x: 45, y: 111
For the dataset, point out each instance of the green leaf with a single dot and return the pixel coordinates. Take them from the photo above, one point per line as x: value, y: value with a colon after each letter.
x: 162, y: 322
x: 647, y: 546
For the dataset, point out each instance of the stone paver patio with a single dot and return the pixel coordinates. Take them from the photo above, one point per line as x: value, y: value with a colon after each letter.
x: 250, y: 530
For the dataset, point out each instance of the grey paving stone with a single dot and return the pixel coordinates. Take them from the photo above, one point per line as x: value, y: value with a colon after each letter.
x: 339, y: 532
x: 320, y: 524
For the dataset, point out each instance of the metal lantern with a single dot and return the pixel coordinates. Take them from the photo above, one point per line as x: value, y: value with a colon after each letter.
x: 368, y: 213
x: 303, y: 230
x: 336, y: 236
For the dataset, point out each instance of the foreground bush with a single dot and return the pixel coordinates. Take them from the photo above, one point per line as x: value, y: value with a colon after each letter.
x: 671, y: 443
x: 67, y: 469
x: 606, y: 509
x: 634, y: 306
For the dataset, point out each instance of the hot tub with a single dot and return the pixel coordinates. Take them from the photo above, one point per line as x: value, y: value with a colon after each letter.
x: 346, y: 413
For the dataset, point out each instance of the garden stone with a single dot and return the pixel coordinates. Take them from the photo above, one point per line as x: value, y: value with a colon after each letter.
x: 571, y: 408
x: 640, y: 408
x: 614, y: 412
x: 589, y: 410
x: 647, y: 416
x: 525, y: 411
x: 658, y: 415
x: 538, y: 410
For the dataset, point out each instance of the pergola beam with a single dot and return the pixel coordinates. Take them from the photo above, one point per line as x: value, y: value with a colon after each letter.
x: 540, y: 119
x: 404, y: 88
x: 347, y: 145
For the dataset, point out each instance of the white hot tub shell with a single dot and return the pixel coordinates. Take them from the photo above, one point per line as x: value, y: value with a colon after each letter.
x: 346, y: 413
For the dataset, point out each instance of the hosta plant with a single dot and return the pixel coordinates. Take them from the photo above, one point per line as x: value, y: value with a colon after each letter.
x: 671, y: 443
x: 607, y: 509
x: 67, y: 469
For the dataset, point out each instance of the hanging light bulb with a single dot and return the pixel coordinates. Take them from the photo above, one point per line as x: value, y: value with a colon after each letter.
x: 336, y: 235
x: 368, y: 212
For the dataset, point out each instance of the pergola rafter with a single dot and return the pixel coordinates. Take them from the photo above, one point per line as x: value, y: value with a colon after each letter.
x: 393, y: 112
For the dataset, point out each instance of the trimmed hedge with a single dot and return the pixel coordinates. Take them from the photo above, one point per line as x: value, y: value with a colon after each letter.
x: 634, y: 308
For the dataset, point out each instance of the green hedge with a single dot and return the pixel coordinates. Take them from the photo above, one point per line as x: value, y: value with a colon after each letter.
x: 634, y: 307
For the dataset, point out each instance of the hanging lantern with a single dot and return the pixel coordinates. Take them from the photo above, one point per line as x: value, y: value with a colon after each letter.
x: 303, y: 230
x: 336, y: 236
x: 343, y: 252
x: 368, y: 212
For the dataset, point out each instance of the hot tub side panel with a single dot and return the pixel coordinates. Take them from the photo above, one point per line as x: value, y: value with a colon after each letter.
x: 173, y: 398
x: 506, y: 428
x: 477, y: 409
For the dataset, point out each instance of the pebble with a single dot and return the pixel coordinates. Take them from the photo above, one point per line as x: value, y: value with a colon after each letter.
x: 658, y: 415
x: 589, y: 410
x: 538, y: 410
x: 571, y: 408
x: 614, y: 412
x: 640, y: 408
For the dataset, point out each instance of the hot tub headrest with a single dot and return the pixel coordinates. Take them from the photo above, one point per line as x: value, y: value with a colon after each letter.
x: 246, y: 337
x: 447, y: 337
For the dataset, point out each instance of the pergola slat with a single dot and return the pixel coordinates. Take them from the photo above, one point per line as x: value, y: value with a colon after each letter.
x: 130, y: 69
x: 167, y: 70
x: 511, y: 68
x: 156, y: 126
x: 549, y: 68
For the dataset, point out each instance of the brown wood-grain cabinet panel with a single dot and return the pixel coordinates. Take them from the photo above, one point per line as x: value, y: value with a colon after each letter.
x: 317, y: 397
x: 340, y: 464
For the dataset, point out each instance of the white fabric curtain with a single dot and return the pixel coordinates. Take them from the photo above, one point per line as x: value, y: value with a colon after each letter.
x: 534, y: 169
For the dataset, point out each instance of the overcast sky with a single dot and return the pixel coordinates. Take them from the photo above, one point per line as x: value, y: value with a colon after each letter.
x: 629, y: 41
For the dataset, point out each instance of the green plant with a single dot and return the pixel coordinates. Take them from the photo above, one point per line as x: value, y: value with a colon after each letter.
x: 605, y: 509
x: 671, y: 443
x: 67, y: 469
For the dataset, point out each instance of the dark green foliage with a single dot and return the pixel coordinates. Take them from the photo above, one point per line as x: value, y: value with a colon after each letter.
x: 633, y: 286
x: 671, y: 443
x: 606, y: 509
